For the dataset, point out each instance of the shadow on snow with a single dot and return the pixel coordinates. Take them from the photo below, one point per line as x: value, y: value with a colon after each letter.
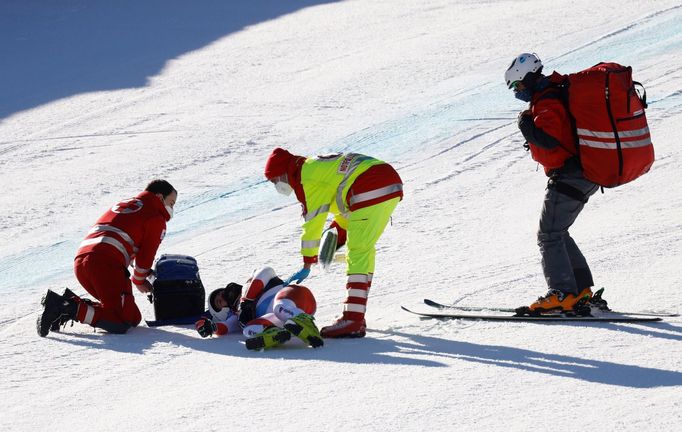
x: 397, y: 348
x: 59, y: 50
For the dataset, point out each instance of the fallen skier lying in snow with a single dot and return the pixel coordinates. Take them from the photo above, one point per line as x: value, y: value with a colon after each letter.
x: 267, y: 314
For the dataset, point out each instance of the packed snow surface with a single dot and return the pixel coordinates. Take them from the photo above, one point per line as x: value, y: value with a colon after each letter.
x: 100, y: 97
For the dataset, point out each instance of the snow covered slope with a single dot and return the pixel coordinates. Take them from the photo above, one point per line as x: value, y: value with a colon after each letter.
x: 99, y: 99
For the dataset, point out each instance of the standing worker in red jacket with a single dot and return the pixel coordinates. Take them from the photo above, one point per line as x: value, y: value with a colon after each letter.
x: 131, y: 230
x: 549, y: 134
x: 361, y: 192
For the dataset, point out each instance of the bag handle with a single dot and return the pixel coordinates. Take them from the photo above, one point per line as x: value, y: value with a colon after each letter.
x: 641, y: 96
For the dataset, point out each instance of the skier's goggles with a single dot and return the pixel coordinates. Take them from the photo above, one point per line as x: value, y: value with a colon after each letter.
x: 516, y: 85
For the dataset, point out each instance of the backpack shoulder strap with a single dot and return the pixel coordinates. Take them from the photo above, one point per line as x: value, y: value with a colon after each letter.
x: 563, y: 88
x: 553, y: 91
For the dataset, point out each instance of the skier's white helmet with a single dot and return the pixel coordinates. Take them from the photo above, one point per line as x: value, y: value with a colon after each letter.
x: 230, y: 295
x: 522, y: 65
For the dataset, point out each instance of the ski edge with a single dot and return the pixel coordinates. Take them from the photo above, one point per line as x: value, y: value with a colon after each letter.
x: 438, y: 305
x: 484, y: 317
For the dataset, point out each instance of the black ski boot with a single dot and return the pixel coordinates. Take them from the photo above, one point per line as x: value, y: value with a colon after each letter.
x: 54, y: 308
x: 270, y: 338
x: 63, y: 320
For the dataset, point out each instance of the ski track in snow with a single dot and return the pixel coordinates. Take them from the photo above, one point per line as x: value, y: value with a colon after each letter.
x: 399, y: 132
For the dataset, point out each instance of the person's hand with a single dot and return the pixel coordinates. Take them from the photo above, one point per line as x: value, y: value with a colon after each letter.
x: 526, y: 125
x: 247, y: 311
x: 145, y: 287
x: 524, y: 116
x: 205, y: 327
x: 299, y: 276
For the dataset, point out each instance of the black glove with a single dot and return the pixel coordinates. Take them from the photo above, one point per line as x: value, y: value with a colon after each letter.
x: 205, y: 327
x: 524, y: 118
x: 526, y: 125
x: 247, y: 311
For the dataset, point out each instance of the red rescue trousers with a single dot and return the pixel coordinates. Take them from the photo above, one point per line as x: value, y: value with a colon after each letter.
x: 107, y: 281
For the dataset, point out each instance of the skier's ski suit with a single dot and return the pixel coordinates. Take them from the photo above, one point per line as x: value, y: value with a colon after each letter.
x: 274, y: 304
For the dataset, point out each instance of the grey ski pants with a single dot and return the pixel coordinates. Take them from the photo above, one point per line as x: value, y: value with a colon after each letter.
x: 563, y: 264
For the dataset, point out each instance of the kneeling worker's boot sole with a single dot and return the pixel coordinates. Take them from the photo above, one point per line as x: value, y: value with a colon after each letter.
x: 51, y: 303
x: 354, y: 335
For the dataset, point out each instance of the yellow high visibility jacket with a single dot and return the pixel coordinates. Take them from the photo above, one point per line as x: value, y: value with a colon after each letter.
x: 325, y: 181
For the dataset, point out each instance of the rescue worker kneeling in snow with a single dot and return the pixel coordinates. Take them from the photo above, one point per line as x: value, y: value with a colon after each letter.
x: 267, y: 314
x: 361, y: 192
x: 131, y: 230
x: 548, y: 131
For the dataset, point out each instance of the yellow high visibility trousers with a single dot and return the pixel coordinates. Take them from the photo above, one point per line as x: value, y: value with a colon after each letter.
x: 365, y: 226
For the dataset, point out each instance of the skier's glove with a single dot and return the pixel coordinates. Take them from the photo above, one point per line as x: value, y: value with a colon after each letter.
x: 526, y: 126
x: 525, y: 122
x: 247, y: 311
x: 523, y: 118
x: 299, y: 276
x: 205, y: 327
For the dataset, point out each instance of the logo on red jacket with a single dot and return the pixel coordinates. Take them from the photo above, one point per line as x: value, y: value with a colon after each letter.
x: 128, y: 206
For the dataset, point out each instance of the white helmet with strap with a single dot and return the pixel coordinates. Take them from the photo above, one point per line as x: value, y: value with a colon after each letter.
x: 231, y: 295
x: 522, y: 65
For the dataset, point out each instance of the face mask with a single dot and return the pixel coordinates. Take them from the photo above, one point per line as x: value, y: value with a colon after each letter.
x: 283, y: 188
x: 523, y: 95
x: 169, y: 209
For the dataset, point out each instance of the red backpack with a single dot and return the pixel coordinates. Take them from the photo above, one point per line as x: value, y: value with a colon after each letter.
x: 613, y: 140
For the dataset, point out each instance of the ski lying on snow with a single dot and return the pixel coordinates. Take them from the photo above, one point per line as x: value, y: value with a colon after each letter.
x: 437, y: 305
x: 500, y: 316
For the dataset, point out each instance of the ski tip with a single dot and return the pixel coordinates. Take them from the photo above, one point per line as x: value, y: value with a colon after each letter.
x: 433, y: 303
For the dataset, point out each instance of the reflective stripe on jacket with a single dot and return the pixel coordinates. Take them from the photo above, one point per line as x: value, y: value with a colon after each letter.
x: 332, y: 184
x: 131, y: 230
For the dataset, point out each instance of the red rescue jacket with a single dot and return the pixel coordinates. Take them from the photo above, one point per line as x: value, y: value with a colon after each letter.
x: 550, y: 115
x: 130, y: 230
